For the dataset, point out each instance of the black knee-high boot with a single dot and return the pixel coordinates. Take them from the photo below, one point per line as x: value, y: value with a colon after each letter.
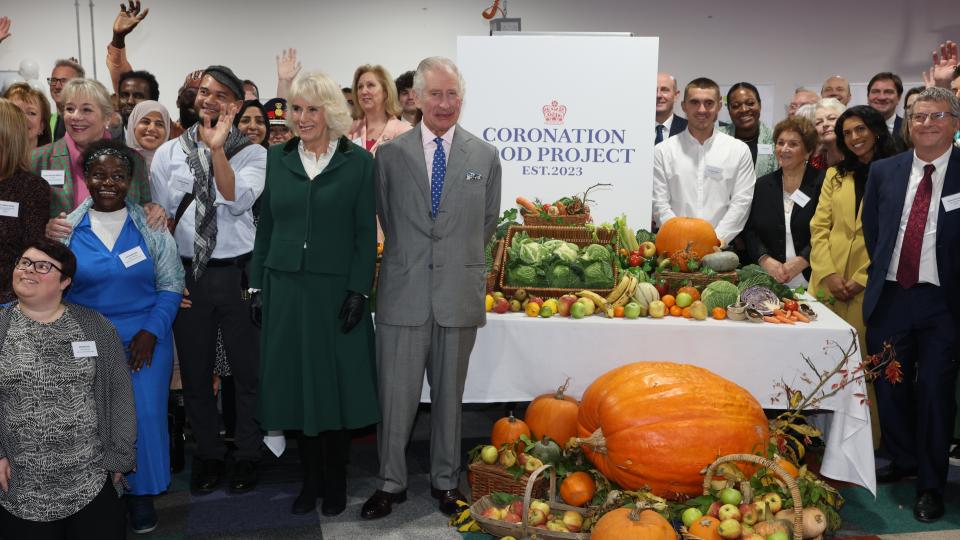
x: 336, y: 454
x: 176, y: 418
x: 311, y: 457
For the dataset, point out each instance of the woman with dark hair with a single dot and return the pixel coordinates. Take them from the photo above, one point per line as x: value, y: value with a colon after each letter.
x: 133, y: 275
x: 34, y: 104
x: 778, y: 231
x: 67, y: 421
x: 743, y: 104
x: 252, y: 122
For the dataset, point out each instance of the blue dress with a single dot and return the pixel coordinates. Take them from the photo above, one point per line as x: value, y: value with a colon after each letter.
x: 128, y: 296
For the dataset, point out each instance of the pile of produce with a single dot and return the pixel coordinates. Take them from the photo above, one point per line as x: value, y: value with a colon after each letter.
x: 509, y: 508
x: 547, y: 262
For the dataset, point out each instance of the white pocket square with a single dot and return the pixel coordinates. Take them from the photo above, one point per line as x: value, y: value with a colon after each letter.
x: 473, y: 176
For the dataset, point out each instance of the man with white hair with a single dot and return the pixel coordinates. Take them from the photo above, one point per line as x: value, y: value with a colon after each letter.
x: 836, y: 87
x: 668, y: 124
x: 438, y: 199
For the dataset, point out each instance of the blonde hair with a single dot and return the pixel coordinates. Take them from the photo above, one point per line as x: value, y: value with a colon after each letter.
x: 391, y: 103
x: 321, y: 91
x: 90, y: 88
x: 14, y: 145
x: 22, y: 91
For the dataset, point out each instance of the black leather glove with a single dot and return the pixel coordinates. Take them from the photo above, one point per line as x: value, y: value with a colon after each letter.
x: 256, y: 308
x: 352, y: 311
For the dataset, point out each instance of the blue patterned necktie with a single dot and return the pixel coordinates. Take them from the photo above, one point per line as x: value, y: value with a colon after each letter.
x: 436, y: 177
x: 659, y: 138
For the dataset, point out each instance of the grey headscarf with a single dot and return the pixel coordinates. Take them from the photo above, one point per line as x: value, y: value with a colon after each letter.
x: 142, y: 109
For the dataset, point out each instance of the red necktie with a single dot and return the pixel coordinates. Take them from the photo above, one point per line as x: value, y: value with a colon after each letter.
x: 908, y: 270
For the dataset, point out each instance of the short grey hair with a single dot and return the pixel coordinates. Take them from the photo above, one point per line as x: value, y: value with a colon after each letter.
x: 63, y: 62
x: 939, y: 95
x: 90, y: 88
x: 319, y: 90
x: 434, y: 63
x: 831, y: 103
x: 808, y: 111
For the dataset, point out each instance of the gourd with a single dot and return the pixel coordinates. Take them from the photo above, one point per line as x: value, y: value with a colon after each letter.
x: 553, y: 415
x: 658, y: 424
x: 507, y: 430
x: 719, y: 294
x: 644, y: 294
x: 679, y: 233
x: 723, y: 261
x: 578, y: 489
x: 706, y: 528
x: 632, y: 524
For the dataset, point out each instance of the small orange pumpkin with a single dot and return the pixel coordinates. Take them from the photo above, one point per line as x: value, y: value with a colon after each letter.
x: 707, y: 528
x: 578, y: 488
x: 681, y: 233
x: 632, y: 524
x: 508, y: 430
x: 553, y: 415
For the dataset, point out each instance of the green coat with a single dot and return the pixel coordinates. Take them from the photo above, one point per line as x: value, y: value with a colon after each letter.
x: 316, y: 241
x: 55, y: 156
x: 766, y: 163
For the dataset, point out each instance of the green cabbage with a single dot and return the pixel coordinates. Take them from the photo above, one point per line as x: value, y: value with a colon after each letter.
x: 563, y: 277
x: 565, y: 253
x: 533, y: 253
x: 598, y: 275
x: 522, y: 276
x: 720, y: 294
x: 595, y: 253
x: 552, y: 244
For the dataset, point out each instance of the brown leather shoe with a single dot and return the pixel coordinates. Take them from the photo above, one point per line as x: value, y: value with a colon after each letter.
x: 381, y: 503
x: 448, y: 499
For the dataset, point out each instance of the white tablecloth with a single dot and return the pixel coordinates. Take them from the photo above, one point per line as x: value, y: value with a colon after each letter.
x: 517, y: 358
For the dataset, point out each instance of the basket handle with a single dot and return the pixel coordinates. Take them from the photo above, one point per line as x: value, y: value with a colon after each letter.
x: 773, y: 466
x: 528, y: 494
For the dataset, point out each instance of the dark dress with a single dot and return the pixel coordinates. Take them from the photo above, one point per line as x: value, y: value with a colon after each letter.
x: 24, y: 210
x: 316, y: 240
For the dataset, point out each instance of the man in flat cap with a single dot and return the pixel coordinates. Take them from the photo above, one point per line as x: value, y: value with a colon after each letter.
x: 208, y: 179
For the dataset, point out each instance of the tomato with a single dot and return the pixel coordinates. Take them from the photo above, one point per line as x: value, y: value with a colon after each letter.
x: 635, y: 259
x: 791, y: 305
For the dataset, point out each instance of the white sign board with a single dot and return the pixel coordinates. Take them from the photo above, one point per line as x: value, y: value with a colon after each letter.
x: 563, y: 119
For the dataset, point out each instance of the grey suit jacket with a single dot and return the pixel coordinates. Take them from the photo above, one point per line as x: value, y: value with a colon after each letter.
x: 435, y: 265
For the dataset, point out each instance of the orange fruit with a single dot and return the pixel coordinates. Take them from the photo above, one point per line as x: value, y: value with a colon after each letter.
x: 687, y: 314
x: 676, y: 311
x: 618, y: 311
x: 668, y: 300
x: 719, y: 313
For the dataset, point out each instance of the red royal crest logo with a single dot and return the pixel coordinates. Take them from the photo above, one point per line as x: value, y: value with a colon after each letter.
x: 554, y: 113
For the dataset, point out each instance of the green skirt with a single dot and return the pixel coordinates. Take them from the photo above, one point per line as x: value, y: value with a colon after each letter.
x: 313, y: 377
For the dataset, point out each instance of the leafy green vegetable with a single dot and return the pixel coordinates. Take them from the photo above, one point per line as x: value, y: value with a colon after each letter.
x: 719, y: 294
x: 595, y: 253
x: 598, y: 275
x: 566, y: 253
x: 522, y: 276
x: 533, y: 253
x: 562, y: 276
x: 753, y: 274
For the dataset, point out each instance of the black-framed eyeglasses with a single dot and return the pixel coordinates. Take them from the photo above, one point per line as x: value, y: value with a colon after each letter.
x: 921, y: 117
x: 56, y: 80
x: 40, y: 267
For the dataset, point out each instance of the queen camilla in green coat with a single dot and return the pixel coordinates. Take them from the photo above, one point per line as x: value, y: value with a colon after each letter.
x: 314, y: 260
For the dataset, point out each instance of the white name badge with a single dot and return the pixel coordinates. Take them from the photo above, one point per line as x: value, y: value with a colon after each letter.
x: 54, y: 178
x: 951, y: 202
x: 9, y: 209
x: 800, y: 198
x: 84, y: 349
x: 715, y: 173
x: 765, y: 149
x: 182, y: 183
x: 132, y: 257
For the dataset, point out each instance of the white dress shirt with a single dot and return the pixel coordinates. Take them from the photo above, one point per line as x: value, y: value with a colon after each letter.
x: 430, y: 147
x: 928, y: 249
x: 667, y: 124
x: 314, y: 164
x: 712, y: 181
x: 791, y: 250
x: 171, y: 179
x: 891, y: 122
x: 107, y: 226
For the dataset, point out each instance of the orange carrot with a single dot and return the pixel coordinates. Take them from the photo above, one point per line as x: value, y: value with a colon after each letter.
x: 773, y: 320
x: 527, y: 205
x: 801, y: 317
x: 784, y: 319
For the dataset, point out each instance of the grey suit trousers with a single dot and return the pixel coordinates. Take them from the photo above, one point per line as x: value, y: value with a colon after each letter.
x: 403, y: 353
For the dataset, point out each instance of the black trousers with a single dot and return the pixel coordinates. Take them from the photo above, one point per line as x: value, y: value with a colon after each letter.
x: 217, y: 302
x: 102, y: 518
x: 916, y: 415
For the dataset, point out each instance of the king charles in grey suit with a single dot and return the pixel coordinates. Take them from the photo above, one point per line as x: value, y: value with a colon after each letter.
x: 438, y: 198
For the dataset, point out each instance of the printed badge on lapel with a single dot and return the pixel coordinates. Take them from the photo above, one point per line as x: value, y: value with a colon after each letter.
x: 473, y: 177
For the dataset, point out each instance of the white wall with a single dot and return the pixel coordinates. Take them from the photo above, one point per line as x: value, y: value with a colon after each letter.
x: 769, y: 42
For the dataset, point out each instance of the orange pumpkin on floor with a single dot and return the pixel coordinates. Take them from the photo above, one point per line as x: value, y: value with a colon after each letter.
x: 578, y: 489
x: 659, y: 424
x: 632, y: 524
x: 508, y: 430
x: 679, y: 232
x: 553, y: 415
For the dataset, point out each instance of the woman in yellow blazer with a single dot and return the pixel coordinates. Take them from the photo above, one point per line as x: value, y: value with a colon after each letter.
x: 838, y: 256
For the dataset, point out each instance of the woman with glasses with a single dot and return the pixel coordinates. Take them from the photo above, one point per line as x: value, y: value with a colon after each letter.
x: 743, y: 104
x: 67, y: 427
x: 133, y: 275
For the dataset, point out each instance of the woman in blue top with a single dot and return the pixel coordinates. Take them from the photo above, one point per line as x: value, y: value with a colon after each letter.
x: 131, y: 274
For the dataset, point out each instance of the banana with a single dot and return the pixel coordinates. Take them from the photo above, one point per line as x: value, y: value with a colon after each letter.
x: 598, y: 300
x: 628, y: 291
x: 618, y: 290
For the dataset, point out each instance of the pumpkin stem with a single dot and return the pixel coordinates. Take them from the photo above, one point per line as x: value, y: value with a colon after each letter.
x: 596, y: 441
x: 562, y: 389
x: 635, y: 513
x: 510, y: 418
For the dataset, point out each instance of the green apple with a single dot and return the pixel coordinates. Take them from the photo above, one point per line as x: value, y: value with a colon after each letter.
x: 657, y: 309
x: 631, y: 310
x: 489, y: 454
x: 515, y: 305
x: 684, y: 299
x: 729, y: 528
x: 578, y: 310
x: 587, y: 303
x: 730, y: 495
x: 779, y: 535
x: 547, y: 311
x: 690, y: 515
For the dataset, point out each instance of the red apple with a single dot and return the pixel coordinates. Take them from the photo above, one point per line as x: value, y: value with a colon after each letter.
x: 501, y: 305
x: 714, y: 508
x: 564, y: 304
x: 573, y: 520
x: 748, y: 513
x: 536, y: 517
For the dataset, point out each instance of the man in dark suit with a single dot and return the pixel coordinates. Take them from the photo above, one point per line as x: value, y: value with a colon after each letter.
x: 883, y: 94
x: 911, y: 228
x: 668, y: 124
x: 438, y: 198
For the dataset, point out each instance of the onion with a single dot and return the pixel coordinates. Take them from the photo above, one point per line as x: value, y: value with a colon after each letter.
x: 814, y: 523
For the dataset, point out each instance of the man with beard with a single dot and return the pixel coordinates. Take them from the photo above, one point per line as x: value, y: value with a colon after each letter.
x: 209, y: 179
x: 134, y: 87
x: 186, y: 96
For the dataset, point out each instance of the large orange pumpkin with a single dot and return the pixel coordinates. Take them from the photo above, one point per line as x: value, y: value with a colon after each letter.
x: 553, y: 415
x: 658, y: 424
x: 631, y: 524
x: 578, y: 489
x: 679, y: 232
x: 508, y: 430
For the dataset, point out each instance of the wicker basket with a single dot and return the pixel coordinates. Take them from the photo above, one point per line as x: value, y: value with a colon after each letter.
x: 523, y: 530
x: 494, y: 274
x: 580, y: 236
x: 764, y: 462
x: 536, y: 220
x: 485, y: 479
x: 676, y: 280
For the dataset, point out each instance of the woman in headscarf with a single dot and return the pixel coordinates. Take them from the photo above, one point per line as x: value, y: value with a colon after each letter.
x: 148, y: 128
